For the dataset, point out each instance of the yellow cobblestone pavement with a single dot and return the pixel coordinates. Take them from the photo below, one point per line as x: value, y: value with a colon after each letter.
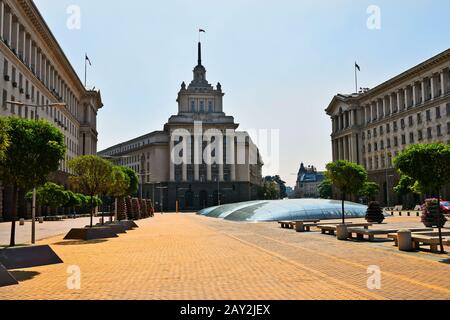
x: 181, y: 257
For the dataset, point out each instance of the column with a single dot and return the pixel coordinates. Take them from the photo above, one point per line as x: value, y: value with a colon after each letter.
x: 30, y: 47
x: 414, y: 94
x: 442, y: 83
x: 406, y: 97
x: 352, y: 149
x: 24, y: 53
x: 232, y: 156
x: 371, y: 112
x: 345, y: 142
x: 184, y: 166
x: 398, y: 101
x: 423, y: 90
x: 171, y: 164
x: 432, y: 86
x: 10, y: 27
x: 391, y: 104
x: 2, y: 19
x: 208, y: 172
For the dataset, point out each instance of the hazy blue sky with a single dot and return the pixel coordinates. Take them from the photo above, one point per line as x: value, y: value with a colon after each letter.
x: 279, y: 62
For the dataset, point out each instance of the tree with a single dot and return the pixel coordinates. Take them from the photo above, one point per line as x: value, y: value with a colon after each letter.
x: 74, y: 200
x: 326, y: 189
x: 369, y: 190
x: 134, y: 180
x: 120, y: 185
x: 270, y: 191
x: 92, y: 175
x: 50, y: 195
x: 282, y: 186
x: 429, y: 166
x: 348, y: 177
x: 35, y: 150
x: 4, y: 138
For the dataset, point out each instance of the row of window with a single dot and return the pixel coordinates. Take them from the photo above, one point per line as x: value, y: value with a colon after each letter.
x: 199, y: 106
x: 410, y: 120
x: 395, y: 142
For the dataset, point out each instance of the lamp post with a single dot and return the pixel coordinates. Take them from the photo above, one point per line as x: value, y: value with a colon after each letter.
x: 387, y: 156
x: 161, y: 188
x: 33, y: 202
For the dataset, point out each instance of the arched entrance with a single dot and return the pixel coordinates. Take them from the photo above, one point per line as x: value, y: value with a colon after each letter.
x: 203, y: 199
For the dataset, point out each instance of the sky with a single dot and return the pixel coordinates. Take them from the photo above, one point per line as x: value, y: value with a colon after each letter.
x: 279, y: 62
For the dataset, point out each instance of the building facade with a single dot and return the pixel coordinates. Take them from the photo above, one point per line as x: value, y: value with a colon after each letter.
x: 371, y: 128
x: 308, y: 182
x: 35, y: 71
x: 218, y: 163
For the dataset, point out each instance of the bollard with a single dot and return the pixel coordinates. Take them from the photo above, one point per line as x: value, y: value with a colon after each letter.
x: 341, y: 232
x: 404, y: 240
x: 41, y: 219
x: 22, y: 222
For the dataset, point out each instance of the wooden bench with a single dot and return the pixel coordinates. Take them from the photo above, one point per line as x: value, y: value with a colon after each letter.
x: 306, y: 226
x: 331, y: 229
x: 394, y: 236
x: 361, y: 232
x: 292, y: 224
x: 423, y: 240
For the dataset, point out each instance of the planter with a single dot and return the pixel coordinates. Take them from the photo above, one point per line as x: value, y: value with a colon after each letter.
x: 90, y: 233
x: 116, y: 227
x: 432, y: 216
x: 374, y: 213
x: 128, y: 224
x: 6, y: 278
x: 28, y: 257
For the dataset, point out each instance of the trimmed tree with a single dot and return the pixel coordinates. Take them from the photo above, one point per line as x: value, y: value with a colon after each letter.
x: 35, y: 150
x: 326, y: 189
x: 92, y: 175
x: 348, y: 177
x: 4, y: 138
x: 119, y: 188
x: 429, y: 166
x: 50, y: 195
x: 134, y: 181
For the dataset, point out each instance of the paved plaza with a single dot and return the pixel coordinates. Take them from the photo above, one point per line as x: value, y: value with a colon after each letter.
x: 184, y: 256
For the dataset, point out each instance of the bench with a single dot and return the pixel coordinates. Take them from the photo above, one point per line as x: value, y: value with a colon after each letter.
x: 394, y: 236
x: 292, y: 224
x: 423, y: 240
x: 306, y: 226
x: 331, y: 229
x: 361, y: 232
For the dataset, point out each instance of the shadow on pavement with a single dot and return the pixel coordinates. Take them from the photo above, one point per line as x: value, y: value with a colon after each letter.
x: 24, y: 275
x: 78, y: 242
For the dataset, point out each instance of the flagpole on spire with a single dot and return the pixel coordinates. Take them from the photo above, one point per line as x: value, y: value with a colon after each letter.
x: 356, y: 76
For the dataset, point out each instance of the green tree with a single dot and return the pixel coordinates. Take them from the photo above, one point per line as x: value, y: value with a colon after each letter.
x: 35, y: 150
x: 348, y: 177
x: 92, y: 175
x: 369, y: 190
x: 74, y: 200
x: 134, y: 181
x: 120, y: 185
x: 270, y: 191
x: 50, y: 195
x: 429, y: 166
x: 326, y: 189
x: 4, y: 138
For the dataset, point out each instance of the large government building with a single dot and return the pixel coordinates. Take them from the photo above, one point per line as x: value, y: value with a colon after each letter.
x: 35, y: 71
x: 371, y: 127
x: 206, y: 176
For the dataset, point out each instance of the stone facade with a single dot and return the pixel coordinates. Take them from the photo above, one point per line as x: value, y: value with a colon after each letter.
x: 371, y: 127
x: 35, y: 71
x: 308, y: 182
x: 195, y: 181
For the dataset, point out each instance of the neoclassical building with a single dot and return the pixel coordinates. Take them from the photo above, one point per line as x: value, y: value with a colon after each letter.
x: 308, y: 182
x: 199, y: 159
x: 371, y: 127
x: 35, y: 71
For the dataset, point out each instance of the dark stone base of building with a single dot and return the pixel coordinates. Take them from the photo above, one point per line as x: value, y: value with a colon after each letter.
x: 194, y: 196
x: 388, y: 180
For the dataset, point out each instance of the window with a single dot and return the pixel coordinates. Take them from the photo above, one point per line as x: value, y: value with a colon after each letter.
x: 388, y: 144
x: 4, y: 99
x: 388, y: 128
x: 192, y: 106
x: 448, y: 127
x: 202, y: 106
x: 403, y: 139
x: 429, y: 133
x: 420, y: 135
x: 438, y: 112
x: 369, y: 134
x: 395, y: 142
x: 439, y: 130
x: 369, y: 147
x: 375, y: 146
x: 410, y: 121
x: 210, y: 106
x: 374, y: 132
x: 419, y: 118
x: 448, y: 109
x: 5, y: 67
x: 411, y: 137
x: 381, y: 130
x: 402, y: 123
x: 382, y: 144
x: 13, y: 75
x: 395, y: 126
x: 428, y: 115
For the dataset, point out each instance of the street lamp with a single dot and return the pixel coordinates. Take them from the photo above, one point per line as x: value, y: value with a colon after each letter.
x: 388, y: 155
x: 33, y: 205
x: 161, y: 188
